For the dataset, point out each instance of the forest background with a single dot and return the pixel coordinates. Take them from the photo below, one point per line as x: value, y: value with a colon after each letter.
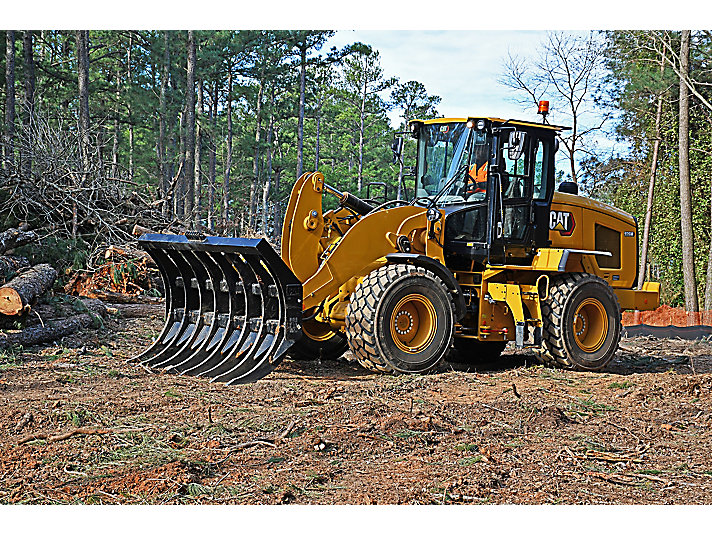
x: 209, y: 129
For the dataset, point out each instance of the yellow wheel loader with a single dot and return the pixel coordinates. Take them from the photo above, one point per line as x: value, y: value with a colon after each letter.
x: 484, y: 253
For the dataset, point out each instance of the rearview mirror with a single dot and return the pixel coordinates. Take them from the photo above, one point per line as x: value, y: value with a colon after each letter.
x: 516, y: 145
x: 397, y: 148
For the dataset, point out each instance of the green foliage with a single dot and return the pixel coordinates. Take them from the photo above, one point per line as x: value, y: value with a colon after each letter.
x: 62, y: 254
x: 635, y: 81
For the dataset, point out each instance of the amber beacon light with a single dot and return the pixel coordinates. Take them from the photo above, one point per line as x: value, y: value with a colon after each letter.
x: 543, y: 108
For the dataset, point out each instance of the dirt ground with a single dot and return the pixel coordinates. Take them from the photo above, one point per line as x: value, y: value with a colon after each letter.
x: 332, y: 433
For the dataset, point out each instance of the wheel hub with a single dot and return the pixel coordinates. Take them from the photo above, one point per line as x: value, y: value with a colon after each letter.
x: 413, y: 323
x: 590, y: 325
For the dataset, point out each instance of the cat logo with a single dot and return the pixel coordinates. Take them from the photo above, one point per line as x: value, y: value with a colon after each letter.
x: 562, y: 222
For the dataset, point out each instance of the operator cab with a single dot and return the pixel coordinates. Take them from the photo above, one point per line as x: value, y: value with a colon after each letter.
x: 493, y: 180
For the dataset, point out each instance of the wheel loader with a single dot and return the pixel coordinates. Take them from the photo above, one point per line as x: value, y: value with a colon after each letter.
x: 485, y: 252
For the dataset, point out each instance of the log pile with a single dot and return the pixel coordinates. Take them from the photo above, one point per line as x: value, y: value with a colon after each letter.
x: 22, y: 287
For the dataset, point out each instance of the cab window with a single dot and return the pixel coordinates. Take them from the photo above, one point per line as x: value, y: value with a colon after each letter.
x: 541, y: 156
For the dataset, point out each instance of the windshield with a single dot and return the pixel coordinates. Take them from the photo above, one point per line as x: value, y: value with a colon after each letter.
x: 452, y: 162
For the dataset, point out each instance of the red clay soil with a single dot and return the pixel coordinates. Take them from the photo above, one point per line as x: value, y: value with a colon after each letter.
x: 667, y: 316
x: 638, y: 432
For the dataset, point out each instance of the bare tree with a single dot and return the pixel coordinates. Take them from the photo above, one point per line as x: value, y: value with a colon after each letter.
x: 566, y: 72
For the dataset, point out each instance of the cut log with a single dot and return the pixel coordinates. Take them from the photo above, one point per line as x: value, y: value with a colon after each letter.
x: 9, y: 265
x: 15, y: 237
x: 49, y: 332
x: 139, y: 230
x: 17, y: 295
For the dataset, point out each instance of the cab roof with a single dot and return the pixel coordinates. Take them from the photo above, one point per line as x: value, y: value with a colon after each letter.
x: 513, y: 122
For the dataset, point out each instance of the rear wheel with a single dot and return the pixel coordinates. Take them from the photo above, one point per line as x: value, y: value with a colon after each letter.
x: 582, y: 323
x: 318, y: 341
x: 400, y: 319
x: 469, y: 350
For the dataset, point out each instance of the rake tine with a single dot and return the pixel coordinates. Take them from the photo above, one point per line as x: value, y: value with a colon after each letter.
x: 191, y: 312
x: 231, y: 317
x: 260, y: 353
x: 175, y: 305
x: 215, y: 304
x: 252, y: 331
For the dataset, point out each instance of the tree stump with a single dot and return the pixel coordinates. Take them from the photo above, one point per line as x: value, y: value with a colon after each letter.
x: 17, y: 295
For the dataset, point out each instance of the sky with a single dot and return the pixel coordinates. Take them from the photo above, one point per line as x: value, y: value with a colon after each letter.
x: 462, y: 67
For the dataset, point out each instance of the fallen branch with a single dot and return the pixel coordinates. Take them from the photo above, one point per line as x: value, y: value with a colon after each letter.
x: 83, y: 431
x: 614, y: 479
x: 36, y: 335
x: 15, y: 237
x: 608, y: 457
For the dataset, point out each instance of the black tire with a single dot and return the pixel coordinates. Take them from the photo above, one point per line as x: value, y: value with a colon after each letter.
x: 469, y: 350
x: 326, y: 346
x: 396, y: 297
x: 582, y: 323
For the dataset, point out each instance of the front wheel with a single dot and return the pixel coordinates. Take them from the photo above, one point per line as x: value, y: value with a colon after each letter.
x: 400, y: 319
x: 582, y: 323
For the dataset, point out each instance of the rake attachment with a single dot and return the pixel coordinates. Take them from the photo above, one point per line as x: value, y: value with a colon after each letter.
x: 233, y: 308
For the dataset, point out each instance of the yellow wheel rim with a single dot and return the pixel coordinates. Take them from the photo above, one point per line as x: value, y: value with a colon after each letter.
x: 590, y: 325
x: 317, y: 331
x: 413, y: 323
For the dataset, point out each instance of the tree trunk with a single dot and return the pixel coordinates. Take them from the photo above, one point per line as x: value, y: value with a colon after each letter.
x: 228, y: 162
x: 212, y: 157
x: 688, y: 260
x: 163, y: 169
x: 117, y: 127
x: 17, y: 295
x: 361, y: 135
x: 318, y: 127
x: 651, y: 185
x: 277, y: 212
x: 708, y: 284
x: 197, y: 185
x: 300, y: 126
x: 129, y: 77
x: 268, y: 179
x: 29, y: 115
x: 256, y: 162
x: 190, y: 129
x: 58, y: 329
x: 83, y: 82
x: 9, y: 98
x: 82, y: 38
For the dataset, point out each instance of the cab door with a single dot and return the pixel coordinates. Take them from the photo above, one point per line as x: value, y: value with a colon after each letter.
x: 521, y: 195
